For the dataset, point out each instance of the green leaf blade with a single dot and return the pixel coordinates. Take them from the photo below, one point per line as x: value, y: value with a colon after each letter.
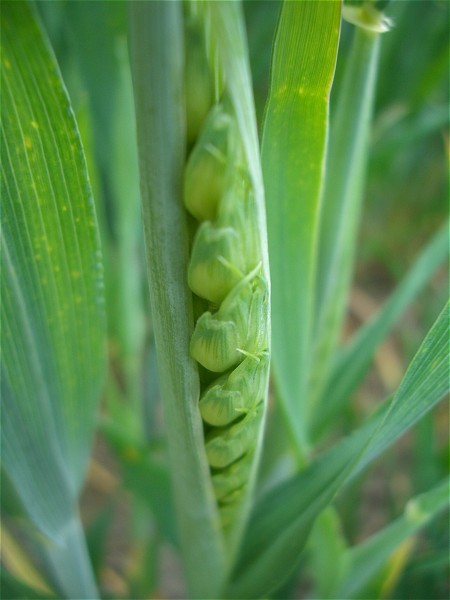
x: 425, y: 383
x: 354, y: 359
x: 52, y: 313
x: 366, y: 559
x: 343, y: 193
x: 159, y: 101
x: 297, y: 112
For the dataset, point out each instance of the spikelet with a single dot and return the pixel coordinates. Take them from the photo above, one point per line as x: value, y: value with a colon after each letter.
x: 204, y: 180
x: 231, y: 337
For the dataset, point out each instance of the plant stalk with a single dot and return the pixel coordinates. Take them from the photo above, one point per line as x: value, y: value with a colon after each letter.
x: 158, y: 63
x: 69, y: 563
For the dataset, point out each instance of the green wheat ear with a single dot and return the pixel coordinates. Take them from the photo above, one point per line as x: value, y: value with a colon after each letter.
x: 236, y: 393
x: 216, y: 262
x: 206, y: 170
x: 234, y: 477
x: 198, y: 83
x: 215, y: 343
x: 228, y: 270
x: 226, y: 445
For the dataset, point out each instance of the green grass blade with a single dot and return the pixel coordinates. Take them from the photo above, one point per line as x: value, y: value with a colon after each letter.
x: 327, y: 552
x: 346, y: 166
x: 352, y: 363
x: 158, y: 84
x: 52, y: 301
x: 366, y: 559
x: 95, y: 64
x: 282, y: 520
x: 14, y: 589
x: 50, y: 568
x: 293, y: 154
x: 279, y: 528
x: 69, y: 565
x: 90, y: 32
x: 424, y: 384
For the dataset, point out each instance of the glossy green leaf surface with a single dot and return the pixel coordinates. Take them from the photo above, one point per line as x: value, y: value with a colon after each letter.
x: 52, y: 297
x: 282, y: 520
x: 293, y: 154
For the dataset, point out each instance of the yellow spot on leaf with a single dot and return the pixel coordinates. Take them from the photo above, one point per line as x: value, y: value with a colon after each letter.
x: 7, y: 64
x: 78, y: 299
x: 281, y: 91
x: 130, y: 454
x: 75, y: 274
x: 34, y: 125
x: 64, y: 208
x: 28, y: 142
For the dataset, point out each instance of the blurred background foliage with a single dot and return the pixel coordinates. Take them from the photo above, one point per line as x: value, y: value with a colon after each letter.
x: 405, y: 202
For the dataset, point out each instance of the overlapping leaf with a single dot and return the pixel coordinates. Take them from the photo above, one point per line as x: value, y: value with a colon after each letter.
x: 352, y: 362
x: 344, y: 180
x: 293, y: 153
x: 158, y: 79
x: 282, y: 520
x: 52, y: 301
x: 158, y: 87
x: 365, y: 560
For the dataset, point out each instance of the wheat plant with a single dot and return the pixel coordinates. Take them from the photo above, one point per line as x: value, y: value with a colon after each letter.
x: 182, y: 190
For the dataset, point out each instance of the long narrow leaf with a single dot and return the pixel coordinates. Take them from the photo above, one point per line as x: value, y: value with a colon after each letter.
x: 12, y: 588
x: 19, y: 564
x: 293, y: 153
x: 327, y: 552
x: 69, y: 565
x: 352, y: 362
x: 52, y: 301
x: 346, y: 166
x: 365, y: 560
x: 53, y: 326
x: 159, y: 100
x: 424, y: 384
x: 282, y: 520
